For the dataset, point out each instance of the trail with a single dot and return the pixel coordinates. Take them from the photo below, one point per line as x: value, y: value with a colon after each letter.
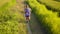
x: 33, y: 27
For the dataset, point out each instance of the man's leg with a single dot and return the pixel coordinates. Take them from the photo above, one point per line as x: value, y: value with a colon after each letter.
x: 27, y: 19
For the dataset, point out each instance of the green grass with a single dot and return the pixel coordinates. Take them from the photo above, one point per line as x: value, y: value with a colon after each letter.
x: 51, y: 4
x: 6, y: 4
x: 57, y: 0
x: 23, y: 28
x: 48, y: 19
x: 9, y: 19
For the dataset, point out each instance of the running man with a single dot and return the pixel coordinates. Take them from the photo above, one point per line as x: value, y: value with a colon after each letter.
x: 27, y: 13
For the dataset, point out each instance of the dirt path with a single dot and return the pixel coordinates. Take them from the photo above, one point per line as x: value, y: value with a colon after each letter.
x: 29, y: 29
x: 35, y: 27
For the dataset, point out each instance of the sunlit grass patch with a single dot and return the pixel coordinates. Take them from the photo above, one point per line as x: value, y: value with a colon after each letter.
x: 5, y: 4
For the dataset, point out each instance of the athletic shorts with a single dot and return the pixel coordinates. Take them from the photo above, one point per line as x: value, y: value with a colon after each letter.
x: 26, y: 15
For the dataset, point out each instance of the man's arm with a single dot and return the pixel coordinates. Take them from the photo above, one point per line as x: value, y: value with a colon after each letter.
x: 30, y: 10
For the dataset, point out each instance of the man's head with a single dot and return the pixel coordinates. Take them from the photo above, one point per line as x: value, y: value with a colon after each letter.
x: 27, y: 6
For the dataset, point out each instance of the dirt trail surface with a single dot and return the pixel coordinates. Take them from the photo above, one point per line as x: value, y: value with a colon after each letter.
x: 35, y: 27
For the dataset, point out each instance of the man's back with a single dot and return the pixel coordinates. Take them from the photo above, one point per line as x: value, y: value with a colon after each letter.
x: 27, y: 11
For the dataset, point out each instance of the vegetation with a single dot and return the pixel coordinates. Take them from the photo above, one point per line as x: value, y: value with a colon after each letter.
x: 57, y: 0
x: 47, y: 18
x: 8, y: 18
x: 52, y: 4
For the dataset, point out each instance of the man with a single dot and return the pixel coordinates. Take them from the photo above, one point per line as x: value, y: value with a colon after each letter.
x: 27, y: 13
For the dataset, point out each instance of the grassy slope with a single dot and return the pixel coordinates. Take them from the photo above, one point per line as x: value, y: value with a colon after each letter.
x: 7, y: 21
x: 14, y: 9
x: 57, y: 0
x: 48, y: 19
x: 51, y: 3
x: 22, y: 25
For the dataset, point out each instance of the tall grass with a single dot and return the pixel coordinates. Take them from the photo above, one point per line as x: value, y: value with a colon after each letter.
x: 47, y: 18
x: 8, y: 18
x: 57, y: 0
x: 51, y: 4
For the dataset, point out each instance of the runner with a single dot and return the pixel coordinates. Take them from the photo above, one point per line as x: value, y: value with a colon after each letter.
x: 27, y: 13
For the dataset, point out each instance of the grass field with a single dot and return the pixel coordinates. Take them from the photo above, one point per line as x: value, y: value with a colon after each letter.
x: 53, y: 4
x: 57, y: 0
x: 8, y: 23
x: 10, y: 18
x: 48, y: 19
